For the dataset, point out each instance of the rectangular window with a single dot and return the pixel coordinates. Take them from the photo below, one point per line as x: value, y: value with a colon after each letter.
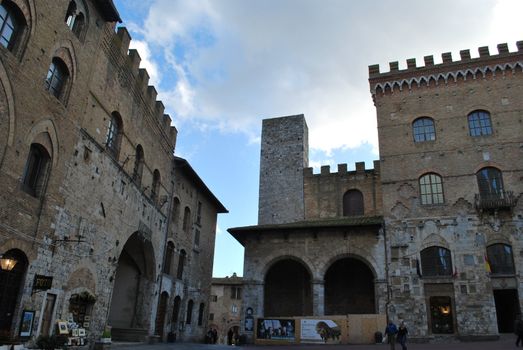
x: 236, y: 293
x: 211, y: 316
x: 214, y: 298
x: 196, y: 238
x: 199, y: 214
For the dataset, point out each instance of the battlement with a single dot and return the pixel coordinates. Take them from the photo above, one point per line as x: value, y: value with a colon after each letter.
x: 137, y: 79
x: 342, y: 169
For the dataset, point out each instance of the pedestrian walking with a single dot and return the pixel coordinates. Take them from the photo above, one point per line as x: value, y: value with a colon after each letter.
x: 402, y: 335
x: 518, y: 330
x: 390, y: 332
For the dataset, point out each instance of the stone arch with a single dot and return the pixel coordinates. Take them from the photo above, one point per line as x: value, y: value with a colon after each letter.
x: 273, y: 260
x: 82, y: 278
x: 133, y: 289
x: 7, y: 90
x: 434, y: 239
x: 287, y: 289
x: 39, y: 130
x: 353, y: 252
x: 64, y: 50
x: 497, y: 238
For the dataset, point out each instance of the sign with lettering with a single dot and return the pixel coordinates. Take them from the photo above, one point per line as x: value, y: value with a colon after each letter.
x: 42, y: 282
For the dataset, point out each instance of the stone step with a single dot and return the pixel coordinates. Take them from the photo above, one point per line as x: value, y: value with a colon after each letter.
x: 129, y: 334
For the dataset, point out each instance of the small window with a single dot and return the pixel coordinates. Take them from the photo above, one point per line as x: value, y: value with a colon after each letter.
x: 431, y: 189
x: 199, y: 213
x: 155, y: 188
x: 186, y: 220
x: 423, y: 130
x: 200, y: 314
x: 181, y: 263
x: 169, y: 251
x: 114, y: 132
x: 189, y: 312
x: 234, y: 309
x: 479, y: 123
x: 490, y: 183
x: 236, y: 293
x: 353, y: 203
x: 176, y: 309
x: 36, y: 170
x: 175, y: 212
x: 196, y: 238
x: 9, y: 24
x: 214, y: 298
x: 56, y: 79
x: 75, y: 18
x: 211, y: 317
x: 501, y: 259
x: 138, y: 165
x: 436, y: 261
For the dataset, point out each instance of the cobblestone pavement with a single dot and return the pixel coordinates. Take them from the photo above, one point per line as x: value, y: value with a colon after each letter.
x: 507, y: 341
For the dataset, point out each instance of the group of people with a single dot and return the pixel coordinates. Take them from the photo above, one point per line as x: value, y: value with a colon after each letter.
x: 212, y: 336
x: 393, y: 334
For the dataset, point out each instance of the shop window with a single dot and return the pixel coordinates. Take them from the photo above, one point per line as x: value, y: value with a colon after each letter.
x: 80, y: 307
x: 479, y: 123
x: 423, y: 130
x: 353, y: 203
x: 501, y: 259
x: 431, y: 189
x: 441, y: 315
x: 436, y: 261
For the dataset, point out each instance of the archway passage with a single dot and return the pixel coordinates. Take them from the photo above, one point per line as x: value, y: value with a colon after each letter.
x: 287, y: 290
x: 349, y: 288
x: 507, y: 307
x: 160, y: 314
x: 12, y: 277
x: 133, y: 298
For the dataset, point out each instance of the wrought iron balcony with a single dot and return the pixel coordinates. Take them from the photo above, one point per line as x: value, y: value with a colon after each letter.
x: 492, y: 201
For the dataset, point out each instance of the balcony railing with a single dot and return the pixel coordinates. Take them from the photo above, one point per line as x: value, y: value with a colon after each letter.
x: 491, y: 201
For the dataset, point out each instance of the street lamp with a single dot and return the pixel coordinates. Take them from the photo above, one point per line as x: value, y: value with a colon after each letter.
x: 7, y: 264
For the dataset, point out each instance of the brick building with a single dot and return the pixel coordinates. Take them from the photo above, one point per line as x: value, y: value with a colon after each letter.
x: 225, y: 306
x: 91, y: 195
x: 432, y: 235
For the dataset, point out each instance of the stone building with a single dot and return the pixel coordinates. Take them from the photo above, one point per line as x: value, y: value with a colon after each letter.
x: 89, y: 183
x: 432, y: 235
x: 225, y: 306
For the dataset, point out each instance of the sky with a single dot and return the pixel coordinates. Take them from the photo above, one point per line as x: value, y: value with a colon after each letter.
x: 221, y: 66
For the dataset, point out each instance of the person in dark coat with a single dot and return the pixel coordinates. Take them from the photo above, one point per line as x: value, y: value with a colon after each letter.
x: 518, y: 330
x: 402, y: 335
x: 230, y: 333
x: 390, y: 332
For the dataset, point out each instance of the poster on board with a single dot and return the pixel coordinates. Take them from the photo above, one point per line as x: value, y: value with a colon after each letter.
x: 276, y: 329
x: 320, y: 331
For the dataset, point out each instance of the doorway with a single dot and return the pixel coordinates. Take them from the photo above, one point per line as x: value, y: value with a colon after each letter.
x: 47, y: 315
x: 507, y: 307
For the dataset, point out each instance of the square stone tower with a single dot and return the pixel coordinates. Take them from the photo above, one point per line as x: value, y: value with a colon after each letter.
x: 284, y: 155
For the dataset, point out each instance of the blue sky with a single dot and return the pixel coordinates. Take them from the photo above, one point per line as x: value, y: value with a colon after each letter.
x: 221, y: 66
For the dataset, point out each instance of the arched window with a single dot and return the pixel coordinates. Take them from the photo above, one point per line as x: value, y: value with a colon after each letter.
x: 490, y: 183
x: 36, y: 170
x: 75, y: 18
x: 114, y: 132
x: 56, y: 79
x: 353, y: 203
x: 500, y: 259
x: 200, y: 314
x: 169, y: 251
x: 155, y: 188
x: 181, y: 263
x: 431, y: 189
x: 138, y: 165
x: 186, y: 220
x: 479, y: 123
x: 423, y: 129
x: 176, y: 308
x: 436, y: 261
x: 175, y: 210
x: 189, y: 312
x: 11, y: 24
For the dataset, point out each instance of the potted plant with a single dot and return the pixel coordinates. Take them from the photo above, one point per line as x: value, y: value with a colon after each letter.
x: 106, y: 335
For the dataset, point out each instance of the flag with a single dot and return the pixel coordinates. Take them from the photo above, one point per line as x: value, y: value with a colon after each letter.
x: 487, y: 265
x: 455, y: 274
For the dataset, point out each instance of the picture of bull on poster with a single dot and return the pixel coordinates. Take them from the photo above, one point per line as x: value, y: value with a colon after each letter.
x: 280, y: 329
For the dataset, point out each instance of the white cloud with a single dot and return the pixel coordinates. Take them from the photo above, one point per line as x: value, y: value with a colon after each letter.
x: 147, y: 61
x: 236, y: 62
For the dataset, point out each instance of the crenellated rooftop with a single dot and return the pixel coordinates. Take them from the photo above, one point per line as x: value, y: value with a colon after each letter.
x: 137, y: 79
x: 449, y: 70
x: 342, y: 169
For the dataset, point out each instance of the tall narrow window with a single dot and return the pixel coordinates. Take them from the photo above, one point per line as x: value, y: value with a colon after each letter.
x: 75, y: 18
x: 36, y: 170
x: 181, y: 263
x: 479, y: 123
x: 189, y: 312
x: 501, y: 259
x: 353, y: 203
x: 431, y: 189
x: 236, y: 293
x: 200, y: 314
x: 199, y: 213
x: 169, y: 251
x: 155, y: 189
x: 186, y: 220
x: 196, y: 238
x: 114, y: 134
x: 436, y: 261
x: 490, y: 183
x: 56, y: 78
x: 175, y: 210
x: 176, y: 308
x: 423, y: 129
x: 138, y: 165
x: 10, y: 24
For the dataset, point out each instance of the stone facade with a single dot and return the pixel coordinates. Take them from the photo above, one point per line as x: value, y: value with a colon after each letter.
x: 89, y: 182
x: 225, y: 306
x: 433, y: 233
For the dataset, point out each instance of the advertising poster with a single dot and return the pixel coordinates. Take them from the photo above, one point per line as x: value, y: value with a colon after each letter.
x: 320, y: 331
x: 272, y: 329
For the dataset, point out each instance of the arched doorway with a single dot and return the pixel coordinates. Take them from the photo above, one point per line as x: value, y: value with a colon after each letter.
x: 133, y: 298
x: 287, y: 290
x: 160, y: 314
x: 13, y: 265
x: 349, y: 288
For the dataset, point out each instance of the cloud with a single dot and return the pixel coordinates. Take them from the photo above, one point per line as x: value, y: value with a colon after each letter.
x: 147, y: 61
x: 229, y: 64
